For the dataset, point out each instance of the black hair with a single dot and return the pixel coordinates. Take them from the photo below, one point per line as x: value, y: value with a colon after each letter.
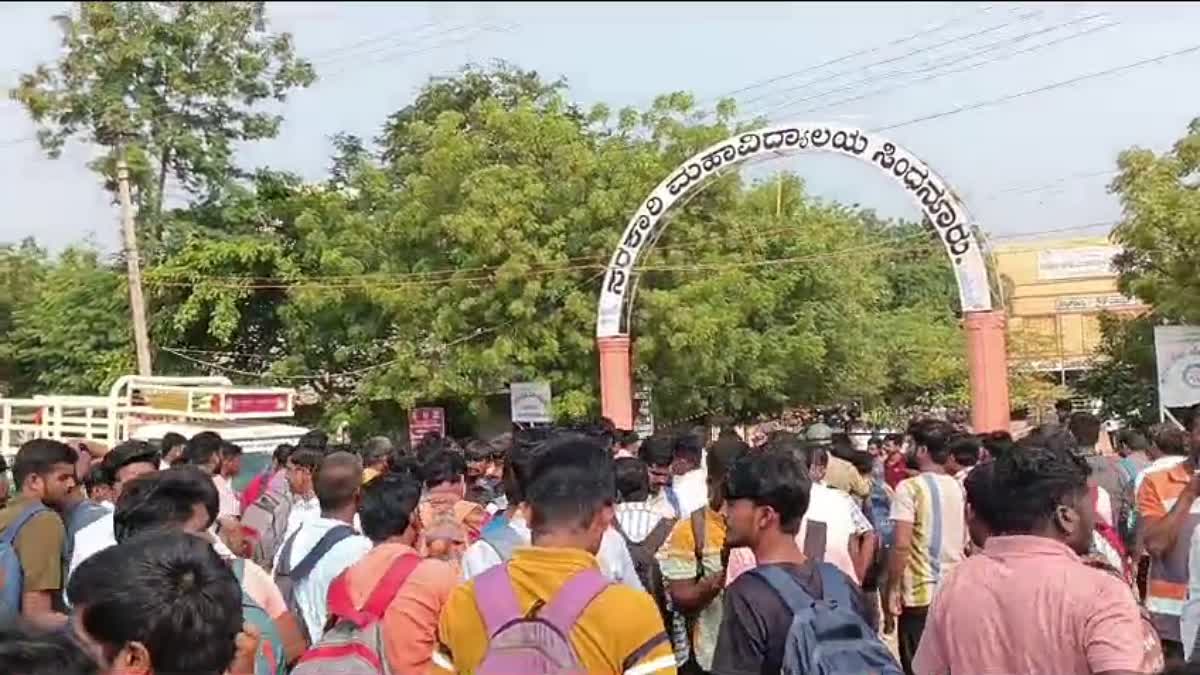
x: 1064, y: 405
x: 96, y: 477
x: 39, y: 457
x: 808, y: 454
x: 1170, y: 439
x: 478, y: 451
x: 200, y: 449
x: 429, y: 445
x: 338, y: 480
x: 863, y: 462
x: 658, y: 450
x: 377, y: 449
x: 1028, y: 486
x: 26, y: 652
x: 171, y: 440
x: 572, y: 480
x: 722, y: 455
x: 230, y: 450
x: 934, y: 436
x: 129, y: 452
x: 169, y: 591
x: 1133, y: 439
x: 282, y: 452
x: 388, y: 502
x: 307, y: 458
x: 997, y: 443
x: 314, y: 440
x: 965, y: 450
x: 164, y: 499
x: 1052, y: 436
x: 632, y: 480
x: 774, y: 479
x: 689, y: 447
x: 894, y: 439
x: 978, y: 488
x: 1085, y: 427
x: 518, y: 471
x: 442, y: 466
x: 875, y: 441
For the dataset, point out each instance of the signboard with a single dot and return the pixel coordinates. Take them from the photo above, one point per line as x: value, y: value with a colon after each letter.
x: 530, y: 402
x: 1095, y: 303
x: 1076, y: 263
x: 1177, y: 351
x: 425, y: 421
x: 643, y: 416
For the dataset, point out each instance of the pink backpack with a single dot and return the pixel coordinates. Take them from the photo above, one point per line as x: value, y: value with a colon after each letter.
x: 534, y: 643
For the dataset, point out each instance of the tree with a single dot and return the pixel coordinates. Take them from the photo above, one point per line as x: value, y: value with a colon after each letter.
x: 172, y: 85
x: 1160, y: 228
x: 1124, y: 374
x: 22, y: 268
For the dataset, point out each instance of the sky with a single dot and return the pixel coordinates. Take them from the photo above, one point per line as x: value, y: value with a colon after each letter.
x: 1034, y: 163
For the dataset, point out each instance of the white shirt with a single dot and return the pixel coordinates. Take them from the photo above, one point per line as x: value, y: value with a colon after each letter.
x: 1189, y: 618
x: 692, y: 490
x: 613, y: 556
x: 311, y: 593
x: 1104, y: 506
x: 303, y: 511
x: 843, y: 519
x: 637, y: 519
x: 229, y: 505
x: 99, y: 535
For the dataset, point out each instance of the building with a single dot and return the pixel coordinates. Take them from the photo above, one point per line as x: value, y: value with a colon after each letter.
x: 1055, y: 291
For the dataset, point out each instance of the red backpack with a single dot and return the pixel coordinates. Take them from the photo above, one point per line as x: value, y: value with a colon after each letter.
x: 353, y: 645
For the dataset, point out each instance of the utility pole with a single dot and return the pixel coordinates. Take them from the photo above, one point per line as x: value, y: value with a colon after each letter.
x: 779, y: 196
x: 133, y: 268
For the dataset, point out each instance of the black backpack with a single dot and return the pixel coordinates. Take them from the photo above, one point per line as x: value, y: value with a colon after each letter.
x: 646, y: 564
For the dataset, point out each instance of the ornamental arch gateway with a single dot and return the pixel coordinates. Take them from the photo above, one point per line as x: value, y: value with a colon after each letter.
x: 984, y: 324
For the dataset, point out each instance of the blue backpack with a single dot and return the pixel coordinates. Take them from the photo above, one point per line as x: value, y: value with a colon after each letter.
x: 270, y: 659
x: 827, y: 637
x: 12, y: 577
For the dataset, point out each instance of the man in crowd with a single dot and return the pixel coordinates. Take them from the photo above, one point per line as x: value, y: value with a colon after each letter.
x: 123, y: 463
x: 230, y: 467
x: 1086, y: 428
x: 173, y: 445
x: 570, y: 499
x: 24, y: 651
x: 690, y: 484
x: 658, y: 453
x: 833, y: 529
x: 451, y: 523
x: 302, y: 466
x: 98, y: 485
x: 44, y: 473
x: 389, y: 518
x: 895, y: 463
x: 1165, y: 500
x: 766, y: 497
x: 839, y: 473
x: 273, y: 479
x: 158, y: 604
x: 375, y: 454
x: 184, y: 499
x: 330, y: 540
x: 930, y: 536
x: 1026, y: 604
x: 693, y: 562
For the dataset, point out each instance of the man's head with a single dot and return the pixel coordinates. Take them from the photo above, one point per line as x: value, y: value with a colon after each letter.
x: 571, y: 493
x: 980, y: 509
x: 302, y: 466
x: 315, y: 440
x: 180, y: 498
x: 44, y: 470
x: 172, y: 447
x: 632, y: 480
x: 478, y: 455
x: 388, y: 510
x: 99, y: 485
x: 518, y: 471
x: 280, y: 456
x: 720, y: 459
x: 1042, y: 492
x: 1063, y: 408
x: 204, y: 451
x: 1170, y: 439
x: 1130, y: 441
x: 161, y: 603
x: 818, y: 434
x: 893, y: 444
x: 689, y: 448
x: 766, y: 496
x: 231, y: 460
x: 444, y: 470
x: 127, y: 461
x: 658, y: 453
x: 931, y: 442
x: 375, y: 453
x: 964, y: 454
x: 26, y: 652
x: 1085, y: 427
x: 338, y: 482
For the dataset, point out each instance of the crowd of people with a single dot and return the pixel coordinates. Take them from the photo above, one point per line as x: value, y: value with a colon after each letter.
x: 586, y: 550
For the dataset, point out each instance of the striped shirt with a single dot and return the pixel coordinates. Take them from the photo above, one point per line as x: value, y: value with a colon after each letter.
x: 935, y: 506
x: 637, y: 519
x: 1166, y: 587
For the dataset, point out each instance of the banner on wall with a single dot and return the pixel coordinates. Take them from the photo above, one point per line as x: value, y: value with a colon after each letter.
x: 425, y: 421
x: 530, y: 402
x: 1177, y: 353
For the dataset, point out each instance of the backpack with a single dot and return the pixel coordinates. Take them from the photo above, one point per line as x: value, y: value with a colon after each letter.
x: 535, y: 642
x: 287, y: 577
x: 270, y: 659
x: 354, y: 643
x: 268, y: 518
x: 450, y: 525
x: 646, y: 564
x: 827, y: 637
x: 12, y: 577
x: 503, y: 539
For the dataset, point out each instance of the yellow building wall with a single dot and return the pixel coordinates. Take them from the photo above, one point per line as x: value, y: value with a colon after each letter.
x: 1055, y: 292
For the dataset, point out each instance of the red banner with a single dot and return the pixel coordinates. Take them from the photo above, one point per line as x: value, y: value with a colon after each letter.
x: 425, y: 421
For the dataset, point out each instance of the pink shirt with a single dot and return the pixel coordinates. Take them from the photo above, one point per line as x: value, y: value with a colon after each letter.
x: 1029, y: 605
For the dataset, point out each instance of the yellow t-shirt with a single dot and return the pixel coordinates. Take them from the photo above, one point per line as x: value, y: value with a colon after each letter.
x: 616, y: 625
x: 677, y: 560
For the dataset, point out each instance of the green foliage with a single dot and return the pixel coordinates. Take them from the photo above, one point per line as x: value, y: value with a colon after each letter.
x: 176, y: 84
x: 1124, y: 374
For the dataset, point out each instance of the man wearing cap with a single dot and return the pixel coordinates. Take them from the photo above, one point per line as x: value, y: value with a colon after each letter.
x: 839, y: 474
x: 123, y: 463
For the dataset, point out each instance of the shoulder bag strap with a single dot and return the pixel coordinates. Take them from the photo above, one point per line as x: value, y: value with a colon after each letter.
x: 833, y: 585
x: 658, y: 536
x: 785, y: 586
x: 14, y: 528
x: 697, y: 519
x: 328, y: 540
x: 496, y: 599
x: 568, y: 603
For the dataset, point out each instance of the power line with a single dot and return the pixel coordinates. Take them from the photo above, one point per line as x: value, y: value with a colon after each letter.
x: 950, y: 60
x: 1049, y: 87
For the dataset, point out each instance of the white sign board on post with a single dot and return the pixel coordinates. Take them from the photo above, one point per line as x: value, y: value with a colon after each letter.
x: 530, y: 402
x: 1177, y: 352
x: 1076, y: 263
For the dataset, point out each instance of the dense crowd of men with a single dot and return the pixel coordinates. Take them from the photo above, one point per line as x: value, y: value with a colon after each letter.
x: 587, y: 550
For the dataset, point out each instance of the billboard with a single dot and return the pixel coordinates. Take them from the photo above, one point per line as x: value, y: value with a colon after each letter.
x: 530, y: 402
x: 1177, y: 352
x: 425, y: 421
x: 1076, y: 263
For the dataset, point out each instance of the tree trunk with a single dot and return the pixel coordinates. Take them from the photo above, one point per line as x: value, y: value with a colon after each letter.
x: 133, y: 267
